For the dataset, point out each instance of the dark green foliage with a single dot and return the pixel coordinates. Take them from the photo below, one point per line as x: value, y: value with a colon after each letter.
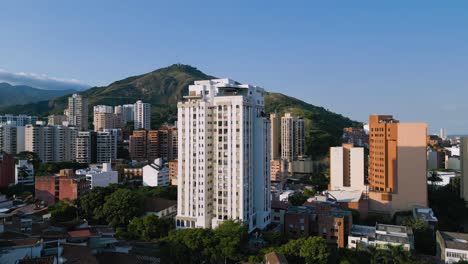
x: 306, y: 250
x: 91, y: 205
x: 163, y: 88
x: 149, y: 227
x: 221, y: 245
x: 167, y: 192
x: 448, y: 207
x: 121, y: 207
x: 63, y: 211
x: 22, y: 94
x: 297, y: 199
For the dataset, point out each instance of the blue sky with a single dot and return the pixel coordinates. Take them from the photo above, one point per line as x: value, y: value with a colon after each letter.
x: 406, y: 58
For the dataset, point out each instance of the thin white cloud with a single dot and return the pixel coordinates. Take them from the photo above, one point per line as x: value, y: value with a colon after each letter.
x: 41, y: 81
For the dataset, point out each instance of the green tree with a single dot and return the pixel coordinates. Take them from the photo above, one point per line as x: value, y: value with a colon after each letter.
x: 314, y: 250
x: 62, y: 211
x: 91, y: 205
x: 230, y: 237
x: 297, y: 199
x: 121, y: 207
x: 149, y: 227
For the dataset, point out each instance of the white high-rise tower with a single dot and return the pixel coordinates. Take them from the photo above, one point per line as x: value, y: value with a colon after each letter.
x: 142, y: 116
x: 223, y: 156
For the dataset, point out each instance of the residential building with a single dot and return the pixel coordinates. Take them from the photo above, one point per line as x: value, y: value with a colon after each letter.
x: 13, y: 250
x: 223, y: 156
x: 397, y: 165
x: 275, y: 258
x: 324, y: 220
x: 54, y: 120
x: 278, y: 211
x: 9, y: 138
x: 7, y: 169
x: 278, y: 170
x: 435, y: 159
x: 19, y: 120
x: 451, y: 247
x: 127, y: 112
x: 292, y: 137
x: 381, y: 236
x: 302, y: 166
x: 160, y: 207
x: 464, y: 168
x: 142, y: 115
x: 155, y: 174
x: 65, y: 185
x: 24, y: 173
x: 173, y: 166
x: 99, y: 176
x: 347, y: 168
x: 356, y: 136
x: 77, y: 112
x: 105, y: 118
x: 443, y: 134
x: 275, y: 121
x: 345, y: 199
x: 85, y: 152
x: 106, y: 146
x: 153, y: 144
x: 51, y: 143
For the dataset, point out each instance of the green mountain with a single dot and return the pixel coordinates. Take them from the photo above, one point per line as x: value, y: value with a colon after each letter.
x: 164, y: 87
x: 22, y: 94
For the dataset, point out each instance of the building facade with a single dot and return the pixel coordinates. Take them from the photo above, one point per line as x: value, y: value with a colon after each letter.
x: 7, y: 169
x: 51, y: 143
x: 155, y: 174
x: 142, y: 115
x: 397, y: 164
x: 292, y: 137
x: 24, y: 173
x: 77, y: 112
x: 18, y: 120
x: 347, y: 168
x: 224, y: 156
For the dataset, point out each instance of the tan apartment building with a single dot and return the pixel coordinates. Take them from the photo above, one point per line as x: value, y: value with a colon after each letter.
x: 292, y: 137
x: 173, y: 172
x: 347, y: 167
x: 397, y: 164
x: 153, y: 144
x: 278, y: 170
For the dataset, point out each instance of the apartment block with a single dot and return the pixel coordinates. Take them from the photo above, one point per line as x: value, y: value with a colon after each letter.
x: 223, y: 156
x: 156, y: 174
x: 464, y: 168
x: 347, y: 168
x: 54, y: 120
x: 292, y: 137
x: 105, y: 118
x: 99, y: 176
x: 153, y: 144
x: 8, y: 138
x: 381, y: 236
x: 275, y: 121
x: 142, y: 115
x: 51, y: 143
x: 18, y: 120
x: 356, y: 136
x: 77, y: 112
x: 96, y: 147
x: 85, y: 145
x: 397, y: 164
x: 126, y: 111
x: 65, y: 185
x: 278, y: 170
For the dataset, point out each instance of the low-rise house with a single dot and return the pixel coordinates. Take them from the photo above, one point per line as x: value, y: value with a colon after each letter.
x: 100, y: 177
x: 16, y: 249
x: 160, y: 207
x: 452, y: 247
x: 155, y: 174
x: 381, y: 236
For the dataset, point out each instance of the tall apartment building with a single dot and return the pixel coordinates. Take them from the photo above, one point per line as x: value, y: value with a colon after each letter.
x: 8, y: 138
x: 292, y: 137
x: 397, y: 164
x: 224, y: 155
x: 54, y: 120
x: 19, y: 120
x: 51, y: 143
x: 142, y: 115
x: 105, y: 118
x: 275, y: 121
x: 96, y: 147
x: 77, y: 112
x: 153, y: 144
x: 127, y: 112
x: 347, y: 168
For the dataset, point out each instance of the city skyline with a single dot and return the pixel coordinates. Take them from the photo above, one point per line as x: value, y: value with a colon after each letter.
x: 311, y: 51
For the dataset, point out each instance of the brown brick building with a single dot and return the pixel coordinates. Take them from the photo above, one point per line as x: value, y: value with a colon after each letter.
x: 65, y: 185
x: 324, y: 220
x: 153, y: 144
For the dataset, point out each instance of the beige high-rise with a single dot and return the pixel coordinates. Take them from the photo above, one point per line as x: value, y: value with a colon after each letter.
x: 347, y: 168
x: 77, y: 112
x: 292, y: 137
x: 105, y: 118
x: 397, y: 164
